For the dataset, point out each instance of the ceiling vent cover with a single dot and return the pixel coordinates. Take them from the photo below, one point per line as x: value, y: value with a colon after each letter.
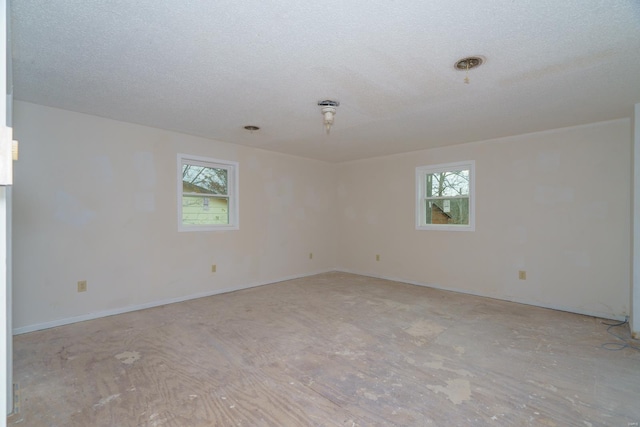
x: 469, y: 62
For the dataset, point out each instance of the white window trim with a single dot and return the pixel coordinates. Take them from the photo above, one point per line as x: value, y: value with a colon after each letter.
x: 421, y: 172
x: 233, y: 190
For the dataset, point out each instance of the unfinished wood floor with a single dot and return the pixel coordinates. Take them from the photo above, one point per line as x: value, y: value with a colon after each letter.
x: 329, y: 350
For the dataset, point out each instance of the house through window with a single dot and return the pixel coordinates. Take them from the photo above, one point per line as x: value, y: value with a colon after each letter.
x: 207, y: 194
x: 445, y: 197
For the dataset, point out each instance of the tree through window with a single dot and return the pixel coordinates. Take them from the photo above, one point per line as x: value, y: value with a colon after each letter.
x: 445, y: 196
x: 208, y: 194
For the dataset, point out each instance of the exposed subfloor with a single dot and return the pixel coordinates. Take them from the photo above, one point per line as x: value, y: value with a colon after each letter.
x: 334, y: 349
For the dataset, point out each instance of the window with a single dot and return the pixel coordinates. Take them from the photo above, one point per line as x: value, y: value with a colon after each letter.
x: 445, y: 197
x: 207, y: 194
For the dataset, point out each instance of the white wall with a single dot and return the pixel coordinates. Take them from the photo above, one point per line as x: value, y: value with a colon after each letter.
x: 555, y: 204
x: 635, y: 286
x: 6, y: 341
x: 95, y: 200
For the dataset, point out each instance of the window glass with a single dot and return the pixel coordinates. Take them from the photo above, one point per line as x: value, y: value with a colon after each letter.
x: 445, y: 197
x: 208, y: 194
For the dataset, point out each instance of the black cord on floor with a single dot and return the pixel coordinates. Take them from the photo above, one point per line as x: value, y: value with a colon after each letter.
x: 617, y: 346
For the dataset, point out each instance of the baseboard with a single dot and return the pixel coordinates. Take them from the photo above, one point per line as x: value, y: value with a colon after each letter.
x: 112, y: 312
x: 601, y: 315
x: 15, y: 417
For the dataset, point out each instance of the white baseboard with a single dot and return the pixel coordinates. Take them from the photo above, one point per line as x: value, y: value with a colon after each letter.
x: 111, y: 312
x: 598, y: 314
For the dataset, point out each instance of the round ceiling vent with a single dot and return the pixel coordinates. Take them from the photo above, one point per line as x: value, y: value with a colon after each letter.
x: 469, y: 63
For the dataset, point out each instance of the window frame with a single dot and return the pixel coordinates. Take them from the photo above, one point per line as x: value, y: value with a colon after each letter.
x: 421, y: 187
x: 233, y: 195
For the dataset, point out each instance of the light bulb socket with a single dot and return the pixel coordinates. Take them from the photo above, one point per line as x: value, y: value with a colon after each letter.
x: 328, y: 111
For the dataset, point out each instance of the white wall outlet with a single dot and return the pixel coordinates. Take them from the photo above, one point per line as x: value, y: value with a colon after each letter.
x: 82, y: 286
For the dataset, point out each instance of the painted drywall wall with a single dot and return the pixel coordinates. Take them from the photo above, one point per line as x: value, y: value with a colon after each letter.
x: 6, y: 281
x: 95, y: 200
x: 635, y: 286
x: 555, y: 204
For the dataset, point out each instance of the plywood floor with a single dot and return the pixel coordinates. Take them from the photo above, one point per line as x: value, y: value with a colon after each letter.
x: 330, y: 350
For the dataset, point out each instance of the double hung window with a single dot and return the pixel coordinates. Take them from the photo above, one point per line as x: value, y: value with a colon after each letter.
x: 445, y: 197
x: 207, y: 193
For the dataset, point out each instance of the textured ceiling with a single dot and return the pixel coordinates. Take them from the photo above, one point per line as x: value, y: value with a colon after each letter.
x: 210, y: 67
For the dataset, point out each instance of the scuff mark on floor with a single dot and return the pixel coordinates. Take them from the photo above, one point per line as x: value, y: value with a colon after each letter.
x: 424, y: 328
x: 105, y: 400
x: 370, y: 396
x: 128, y: 357
x: 457, y: 390
x: 440, y: 366
x: 350, y: 354
x: 459, y: 349
x: 549, y: 387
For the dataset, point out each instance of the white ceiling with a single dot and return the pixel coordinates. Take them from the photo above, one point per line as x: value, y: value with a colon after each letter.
x: 210, y: 67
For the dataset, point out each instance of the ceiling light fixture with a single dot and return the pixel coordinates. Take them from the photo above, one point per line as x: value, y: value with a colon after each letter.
x: 328, y: 112
x: 252, y: 128
x: 468, y: 63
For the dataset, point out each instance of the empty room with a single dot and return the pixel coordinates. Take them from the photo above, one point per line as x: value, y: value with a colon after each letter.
x: 321, y: 213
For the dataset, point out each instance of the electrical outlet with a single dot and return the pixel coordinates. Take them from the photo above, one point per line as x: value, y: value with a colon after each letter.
x: 213, y: 268
x: 377, y: 257
x: 522, y: 275
x: 310, y: 255
x: 82, y: 286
